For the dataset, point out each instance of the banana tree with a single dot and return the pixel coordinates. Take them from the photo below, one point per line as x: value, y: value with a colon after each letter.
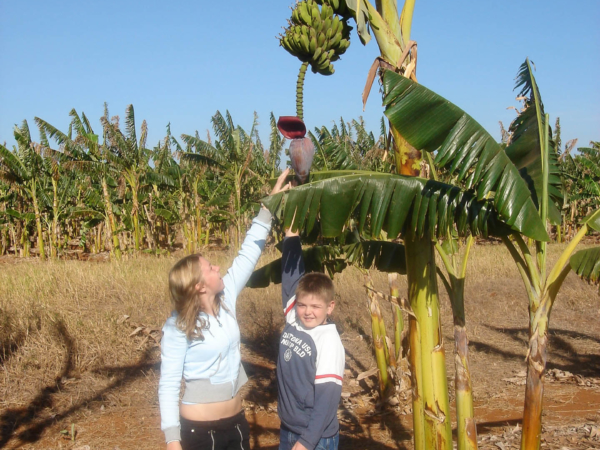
x: 87, y: 155
x: 131, y: 158
x: 418, y: 208
x: 23, y: 168
x: 534, y: 153
x: 238, y: 161
x: 420, y: 120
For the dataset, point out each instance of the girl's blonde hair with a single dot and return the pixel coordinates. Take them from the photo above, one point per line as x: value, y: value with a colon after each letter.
x: 183, y: 278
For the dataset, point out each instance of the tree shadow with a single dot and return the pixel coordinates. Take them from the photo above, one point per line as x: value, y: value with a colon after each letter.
x: 12, y: 338
x: 30, y: 418
x: 562, y: 354
x: 264, y: 378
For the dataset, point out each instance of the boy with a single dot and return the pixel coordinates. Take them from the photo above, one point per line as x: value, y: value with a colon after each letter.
x: 311, y: 359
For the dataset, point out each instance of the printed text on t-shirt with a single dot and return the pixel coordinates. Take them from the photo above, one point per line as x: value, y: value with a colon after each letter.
x: 300, y: 348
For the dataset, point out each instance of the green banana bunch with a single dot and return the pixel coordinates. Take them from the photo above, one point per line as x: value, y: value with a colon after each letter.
x: 317, y: 36
x: 339, y: 7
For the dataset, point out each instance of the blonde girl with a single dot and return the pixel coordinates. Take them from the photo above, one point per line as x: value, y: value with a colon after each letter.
x: 201, y: 345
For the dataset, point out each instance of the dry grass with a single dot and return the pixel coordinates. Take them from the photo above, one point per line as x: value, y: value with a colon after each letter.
x: 68, y: 357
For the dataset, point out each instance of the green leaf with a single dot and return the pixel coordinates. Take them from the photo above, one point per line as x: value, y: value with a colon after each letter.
x: 387, y: 202
x: 586, y: 264
x: 430, y: 122
x: 384, y: 256
x: 316, y: 259
x: 360, y: 12
x: 524, y: 147
x: 592, y: 220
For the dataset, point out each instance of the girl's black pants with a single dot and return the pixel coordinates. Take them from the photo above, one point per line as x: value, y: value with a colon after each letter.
x: 223, y: 434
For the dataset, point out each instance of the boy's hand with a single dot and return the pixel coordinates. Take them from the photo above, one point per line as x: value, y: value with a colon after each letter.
x: 299, y: 446
x: 279, y: 185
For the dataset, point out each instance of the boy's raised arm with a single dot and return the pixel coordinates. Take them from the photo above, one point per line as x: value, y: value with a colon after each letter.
x: 292, y: 269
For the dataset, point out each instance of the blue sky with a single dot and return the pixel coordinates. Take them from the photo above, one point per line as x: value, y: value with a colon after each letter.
x: 181, y: 61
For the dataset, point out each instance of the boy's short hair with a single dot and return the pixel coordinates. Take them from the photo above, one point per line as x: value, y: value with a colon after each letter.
x: 317, y: 284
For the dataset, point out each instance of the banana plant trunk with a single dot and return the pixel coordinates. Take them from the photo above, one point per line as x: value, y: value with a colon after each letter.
x: 466, y: 429
x: 534, y: 388
x: 54, y: 244
x: 38, y: 222
x: 379, y: 343
x: 431, y: 408
x: 136, y: 222
x: 111, y: 229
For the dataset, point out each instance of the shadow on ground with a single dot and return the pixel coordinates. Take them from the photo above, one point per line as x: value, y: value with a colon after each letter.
x: 32, y: 420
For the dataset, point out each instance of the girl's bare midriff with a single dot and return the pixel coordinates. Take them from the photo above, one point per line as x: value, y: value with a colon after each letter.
x: 212, y: 411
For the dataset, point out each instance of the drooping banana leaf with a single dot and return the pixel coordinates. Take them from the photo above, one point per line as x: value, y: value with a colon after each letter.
x: 430, y: 122
x: 316, y: 259
x: 586, y: 264
x: 384, y: 256
x: 392, y: 203
x: 524, y: 147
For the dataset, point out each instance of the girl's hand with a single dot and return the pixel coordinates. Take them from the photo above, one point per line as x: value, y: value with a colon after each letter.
x: 174, y: 445
x: 279, y: 185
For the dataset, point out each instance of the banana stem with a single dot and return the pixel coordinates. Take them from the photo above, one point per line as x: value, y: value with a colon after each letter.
x: 300, y: 90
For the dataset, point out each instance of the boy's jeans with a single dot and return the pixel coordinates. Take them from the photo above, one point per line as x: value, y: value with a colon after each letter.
x: 288, y: 438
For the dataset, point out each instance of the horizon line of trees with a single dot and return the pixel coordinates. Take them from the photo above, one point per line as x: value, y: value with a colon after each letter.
x: 80, y: 190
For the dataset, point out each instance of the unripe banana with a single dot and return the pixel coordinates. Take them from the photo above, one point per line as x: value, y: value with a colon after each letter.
x: 321, y: 40
x: 343, y: 46
x: 322, y: 58
x: 329, y: 34
x: 313, y: 44
x: 305, y: 13
x: 327, y: 24
x: 315, y: 13
x: 305, y: 43
x: 336, y: 25
x: 317, y: 53
x: 335, y: 40
x: 325, y: 11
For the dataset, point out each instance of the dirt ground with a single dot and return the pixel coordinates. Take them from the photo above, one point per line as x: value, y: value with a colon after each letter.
x: 115, y: 406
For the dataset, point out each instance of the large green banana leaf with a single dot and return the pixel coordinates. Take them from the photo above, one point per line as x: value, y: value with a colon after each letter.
x: 392, y: 203
x: 586, y: 264
x: 524, y: 148
x: 430, y: 122
x: 384, y: 256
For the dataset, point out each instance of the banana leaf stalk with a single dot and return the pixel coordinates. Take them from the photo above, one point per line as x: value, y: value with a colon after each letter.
x: 466, y: 428
x: 379, y: 342
x: 398, y: 319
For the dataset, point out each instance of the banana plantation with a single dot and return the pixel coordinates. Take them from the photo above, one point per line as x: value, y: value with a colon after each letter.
x: 430, y: 185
